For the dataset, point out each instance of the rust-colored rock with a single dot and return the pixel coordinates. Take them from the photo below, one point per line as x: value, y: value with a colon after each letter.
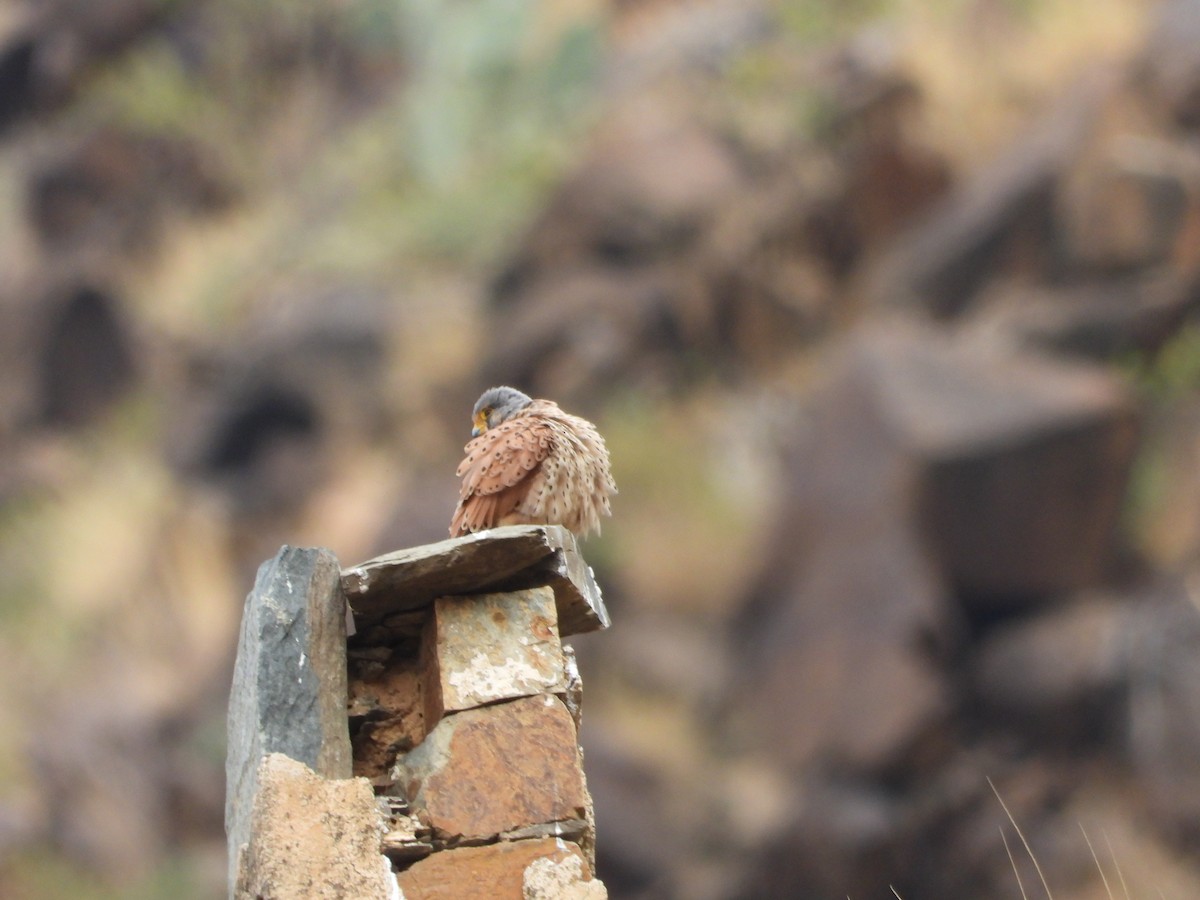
x: 1021, y: 461
x: 836, y: 669
x: 311, y: 837
x: 489, y: 647
x: 517, y: 870
x: 385, y: 711
x: 495, y: 769
x: 1025, y: 463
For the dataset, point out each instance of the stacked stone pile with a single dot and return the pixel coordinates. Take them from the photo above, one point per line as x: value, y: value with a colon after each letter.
x: 435, y: 752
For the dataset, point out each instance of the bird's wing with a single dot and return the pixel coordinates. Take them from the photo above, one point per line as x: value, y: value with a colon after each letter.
x: 495, y: 471
x: 503, y: 456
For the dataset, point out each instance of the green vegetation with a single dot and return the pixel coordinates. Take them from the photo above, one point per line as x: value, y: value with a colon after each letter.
x: 1169, y: 379
x: 1173, y: 371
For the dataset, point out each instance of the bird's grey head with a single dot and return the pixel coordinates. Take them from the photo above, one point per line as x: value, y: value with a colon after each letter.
x: 495, y: 406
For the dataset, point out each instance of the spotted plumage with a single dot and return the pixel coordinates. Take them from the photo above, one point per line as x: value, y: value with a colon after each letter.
x: 531, y: 463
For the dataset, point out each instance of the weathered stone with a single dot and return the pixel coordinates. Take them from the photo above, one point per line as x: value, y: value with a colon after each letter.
x: 1059, y: 663
x: 513, y: 557
x: 401, y: 848
x: 487, y: 771
x: 405, y: 837
x: 580, y: 603
x: 833, y: 662
x: 289, y: 681
x: 517, y: 870
x: 311, y: 838
x: 366, y: 664
x: 386, y: 713
x: 1022, y: 460
x: 489, y: 647
x: 569, y: 878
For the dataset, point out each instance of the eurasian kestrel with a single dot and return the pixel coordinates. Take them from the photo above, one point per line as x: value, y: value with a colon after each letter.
x: 530, y: 463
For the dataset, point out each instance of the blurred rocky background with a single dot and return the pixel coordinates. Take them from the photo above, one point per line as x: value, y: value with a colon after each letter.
x: 890, y: 313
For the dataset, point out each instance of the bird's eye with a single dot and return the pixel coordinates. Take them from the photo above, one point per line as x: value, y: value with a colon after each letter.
x: 486, y: 412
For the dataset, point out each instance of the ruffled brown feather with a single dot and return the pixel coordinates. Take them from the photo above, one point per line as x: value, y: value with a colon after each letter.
x: 541, y: 466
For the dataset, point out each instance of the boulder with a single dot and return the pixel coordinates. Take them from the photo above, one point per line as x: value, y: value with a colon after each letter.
x: 1019, y: 462
x: 931, y: 465
x: 1023, y: 461
x: 1063, y: 670
x: 839, y: 633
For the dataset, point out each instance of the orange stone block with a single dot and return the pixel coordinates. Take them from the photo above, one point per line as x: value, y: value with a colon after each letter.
x: 492, y: 770
x: 505, y: 871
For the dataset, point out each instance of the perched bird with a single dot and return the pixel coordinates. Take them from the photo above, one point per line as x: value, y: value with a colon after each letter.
x: 530, y: 463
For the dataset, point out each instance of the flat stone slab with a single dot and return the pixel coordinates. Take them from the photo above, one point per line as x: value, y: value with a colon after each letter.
x: 385, y: 591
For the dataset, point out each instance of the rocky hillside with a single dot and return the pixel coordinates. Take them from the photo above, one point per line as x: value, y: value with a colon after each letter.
x: 889, y: 316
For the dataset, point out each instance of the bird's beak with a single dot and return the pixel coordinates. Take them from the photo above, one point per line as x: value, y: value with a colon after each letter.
x: 481, y: 424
